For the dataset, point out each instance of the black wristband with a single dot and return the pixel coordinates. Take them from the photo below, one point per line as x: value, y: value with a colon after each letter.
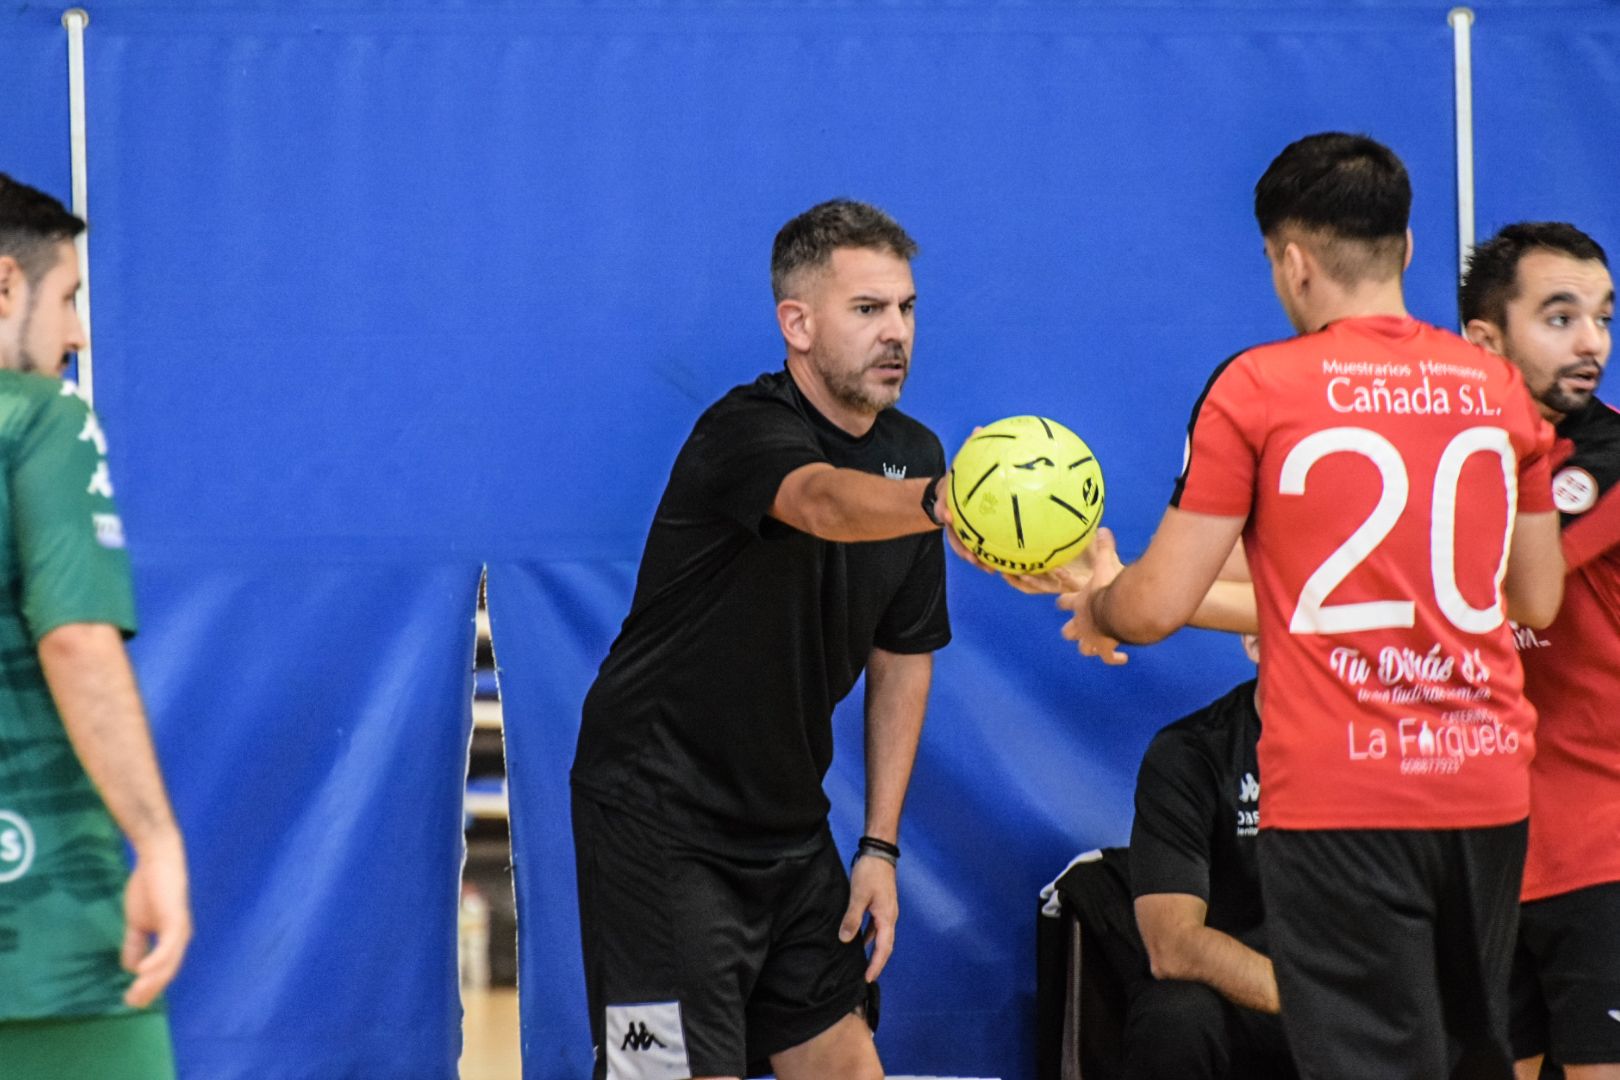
x: 879, y: 847
x: 930, y: 498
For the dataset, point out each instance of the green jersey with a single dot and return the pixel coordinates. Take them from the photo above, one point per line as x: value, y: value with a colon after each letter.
x: 62, y: 560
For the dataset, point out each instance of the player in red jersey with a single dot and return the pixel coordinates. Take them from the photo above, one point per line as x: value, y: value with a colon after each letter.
x: 1541, y: 295
x: 1390, y: 483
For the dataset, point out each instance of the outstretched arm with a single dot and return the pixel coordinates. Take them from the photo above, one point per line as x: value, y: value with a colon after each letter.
x: 896, y: 699
x: 1159, y: 593
x: 1228, y: 605
x: 90, y: 678
x: 848, y: 505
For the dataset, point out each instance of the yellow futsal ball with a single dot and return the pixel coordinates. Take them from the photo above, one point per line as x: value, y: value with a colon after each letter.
x: 1026, y: 494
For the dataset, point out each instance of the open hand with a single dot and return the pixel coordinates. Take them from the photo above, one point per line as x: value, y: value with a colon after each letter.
x: 1081, y: 628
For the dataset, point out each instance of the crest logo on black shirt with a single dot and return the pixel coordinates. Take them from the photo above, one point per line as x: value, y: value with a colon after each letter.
x: 1575, y: 491
x: 894, y: 472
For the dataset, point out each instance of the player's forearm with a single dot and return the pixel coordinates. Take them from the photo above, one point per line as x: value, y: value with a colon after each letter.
x: 1223, y: 963
x: 1159, y: 593
x: 1533, y: 586
x: 90, y: 678
x: 848, y: 506
x: 1133, y: 610
x: 896, y: 702
x: 1229, y: 606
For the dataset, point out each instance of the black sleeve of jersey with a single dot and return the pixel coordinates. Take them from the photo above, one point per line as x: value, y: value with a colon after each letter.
x: 1176, y: 806
x: 740, y: 452
x: 1192, y: 423
x: 916, y: 620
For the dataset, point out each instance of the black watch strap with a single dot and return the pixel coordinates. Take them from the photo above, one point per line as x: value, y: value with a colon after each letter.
x: 930, y: 498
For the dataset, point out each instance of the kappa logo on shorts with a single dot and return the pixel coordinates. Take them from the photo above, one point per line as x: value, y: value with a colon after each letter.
x: 646, y: 1042
x: 16, y: 846
x: 639, y: 1038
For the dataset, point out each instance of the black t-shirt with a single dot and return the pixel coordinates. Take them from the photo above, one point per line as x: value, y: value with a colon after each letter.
x: 1595, y: 431
x: 712, y: 714
x: 1198, y: 811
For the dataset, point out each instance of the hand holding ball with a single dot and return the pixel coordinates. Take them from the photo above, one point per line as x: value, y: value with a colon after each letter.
x: 1026, y: 495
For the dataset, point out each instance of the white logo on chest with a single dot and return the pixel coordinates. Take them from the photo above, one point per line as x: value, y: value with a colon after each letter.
x: 16, y: 846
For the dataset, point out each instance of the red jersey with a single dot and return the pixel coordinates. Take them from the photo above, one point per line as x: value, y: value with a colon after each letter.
x: 1380, y: 463
x: 1572, y: 672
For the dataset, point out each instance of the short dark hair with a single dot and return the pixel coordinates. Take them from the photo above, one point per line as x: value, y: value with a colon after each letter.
x: 808, y: 241
x: 32, y: 223
x: 1491, y: 281
x: 1350, y: 192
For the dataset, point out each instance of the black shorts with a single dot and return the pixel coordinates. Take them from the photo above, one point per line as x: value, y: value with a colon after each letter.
x: 1566, y: 977
x: 1392, y: 948
x: 697, y: 963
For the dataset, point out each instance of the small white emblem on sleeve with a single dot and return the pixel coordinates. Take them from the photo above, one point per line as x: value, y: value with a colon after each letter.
x: 92, y: 433
x: 1575, y: 490
x: 646, y: 1042
x: 109, y: 530
x: 101, y: 481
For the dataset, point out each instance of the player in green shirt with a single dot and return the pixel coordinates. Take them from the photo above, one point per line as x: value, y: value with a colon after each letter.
x: 86, y: 944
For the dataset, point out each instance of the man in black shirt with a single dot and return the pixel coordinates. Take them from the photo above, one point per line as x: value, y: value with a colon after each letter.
x: 1211, y: 1009
x: 796, y: 544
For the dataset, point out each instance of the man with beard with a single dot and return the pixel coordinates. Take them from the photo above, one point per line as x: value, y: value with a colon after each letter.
x: 1541, y: 295
x: 796, y: 543
x: 1391, y: 486
x: 76, y: 759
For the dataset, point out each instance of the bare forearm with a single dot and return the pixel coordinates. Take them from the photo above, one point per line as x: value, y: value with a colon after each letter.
x: 1159, y: 593
x: 896, y: 701
x: 1229, y: 606
x: 1133, y: 610
x: 90, y: 679
x: 847, y: 505
x: 1223, y: 963
x: 1533, y: 586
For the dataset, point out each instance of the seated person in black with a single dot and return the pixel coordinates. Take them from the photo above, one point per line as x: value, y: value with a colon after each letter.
x: 1210, y: 1011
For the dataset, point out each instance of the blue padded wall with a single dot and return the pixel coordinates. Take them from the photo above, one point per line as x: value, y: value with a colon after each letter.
x: 385, y: 292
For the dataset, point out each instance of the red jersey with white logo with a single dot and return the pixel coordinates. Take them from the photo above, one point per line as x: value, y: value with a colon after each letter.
x: 1572, y: 672
x: 1380, y: 463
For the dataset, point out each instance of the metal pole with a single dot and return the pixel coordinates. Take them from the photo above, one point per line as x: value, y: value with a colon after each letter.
x: 75, y: 20
x: 1462, y: 22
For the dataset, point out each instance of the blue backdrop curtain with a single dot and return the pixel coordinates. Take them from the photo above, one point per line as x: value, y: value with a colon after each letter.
x: 386, y: 292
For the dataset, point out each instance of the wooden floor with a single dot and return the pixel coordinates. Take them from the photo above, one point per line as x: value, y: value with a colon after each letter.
x: 490, y: 1041
x: 489, y: 1035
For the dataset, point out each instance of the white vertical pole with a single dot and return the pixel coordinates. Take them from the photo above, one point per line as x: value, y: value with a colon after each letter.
x: 75, y: 20
x: 1462, y: 22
